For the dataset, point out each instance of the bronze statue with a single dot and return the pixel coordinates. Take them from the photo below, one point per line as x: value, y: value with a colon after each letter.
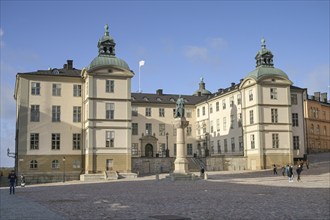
x: 179, y: 111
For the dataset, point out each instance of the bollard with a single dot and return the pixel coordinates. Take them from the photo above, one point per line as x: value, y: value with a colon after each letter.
x: 157, y: 176
x: 205, y: 176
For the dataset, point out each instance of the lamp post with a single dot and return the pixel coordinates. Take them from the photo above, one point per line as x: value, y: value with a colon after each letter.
x: 206, y: 144
x: 63, y: 159
x: 167, y: 150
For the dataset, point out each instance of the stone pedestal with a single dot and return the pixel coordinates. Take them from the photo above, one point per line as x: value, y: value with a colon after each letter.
x: 180, y: 163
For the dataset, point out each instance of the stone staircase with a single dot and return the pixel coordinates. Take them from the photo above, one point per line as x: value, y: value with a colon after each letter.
x: 196, y: 164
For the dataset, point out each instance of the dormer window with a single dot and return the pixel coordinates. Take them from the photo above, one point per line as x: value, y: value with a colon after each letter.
x: 172, y: 100
x: 145, y: 99
x: 55, y: 72
x: 159, y: 99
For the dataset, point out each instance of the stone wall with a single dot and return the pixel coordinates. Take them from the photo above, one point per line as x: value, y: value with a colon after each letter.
x: 220, y: 163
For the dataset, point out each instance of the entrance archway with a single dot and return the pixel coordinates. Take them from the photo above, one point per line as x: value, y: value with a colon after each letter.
x: 149, y: 152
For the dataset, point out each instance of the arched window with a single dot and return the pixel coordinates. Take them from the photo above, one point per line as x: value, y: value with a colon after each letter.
x: 33, y: 164
x: 55, y: 164
x: 325, y: 131
x: 317, y: 129
x: 312, y: 129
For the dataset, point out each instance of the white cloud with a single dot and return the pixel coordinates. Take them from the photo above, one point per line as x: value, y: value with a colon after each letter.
x: 207, y: 54
x: 1, y: 41
x: 317, y: 80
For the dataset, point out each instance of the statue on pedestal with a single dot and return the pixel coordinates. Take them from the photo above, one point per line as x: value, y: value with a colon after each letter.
x: 179, y: 110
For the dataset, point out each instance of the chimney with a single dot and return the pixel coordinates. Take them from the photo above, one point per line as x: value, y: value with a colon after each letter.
x: 220, y: 90
x: 324, y: 97
x: 241, y: 80
x: 317, y: 96
x: 159, y: 92
x: 232, y: 84
x: 69, y: 64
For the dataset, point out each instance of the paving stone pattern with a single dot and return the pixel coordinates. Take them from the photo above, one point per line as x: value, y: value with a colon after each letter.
x: 224, y: 195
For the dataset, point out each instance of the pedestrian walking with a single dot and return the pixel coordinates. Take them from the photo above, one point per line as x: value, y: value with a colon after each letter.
x: 298, y: 170
x: 274, y: 169
x: 283, y: 170
x: 22, y: 180
x: 12, y: 181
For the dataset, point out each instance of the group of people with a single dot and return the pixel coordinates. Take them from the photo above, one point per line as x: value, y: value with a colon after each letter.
x: 288, y: 170
x: 12, y: 177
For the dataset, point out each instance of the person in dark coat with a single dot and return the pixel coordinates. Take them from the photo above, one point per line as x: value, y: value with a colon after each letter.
x: 298, y: 170
x: 12, y: 181
x: 275, y: 169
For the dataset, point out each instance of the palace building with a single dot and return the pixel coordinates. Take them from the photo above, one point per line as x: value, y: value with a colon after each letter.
x: 74, y: 123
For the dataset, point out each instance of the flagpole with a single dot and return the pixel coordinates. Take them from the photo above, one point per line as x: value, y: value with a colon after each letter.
x: 139, y: 78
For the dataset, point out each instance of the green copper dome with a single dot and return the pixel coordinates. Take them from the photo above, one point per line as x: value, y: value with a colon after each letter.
x: 265, y: 66
x: 202, y: 90
x: 108, y: 61
x: 268, y: 71
x: 107, y: 55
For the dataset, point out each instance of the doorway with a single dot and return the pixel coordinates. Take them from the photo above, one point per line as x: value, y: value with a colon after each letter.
x: 149, y: 150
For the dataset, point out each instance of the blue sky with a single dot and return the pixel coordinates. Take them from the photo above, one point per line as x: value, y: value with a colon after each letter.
x: 180, y: 42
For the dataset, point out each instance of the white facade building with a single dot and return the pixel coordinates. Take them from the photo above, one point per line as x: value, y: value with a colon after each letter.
x: 87, y: 121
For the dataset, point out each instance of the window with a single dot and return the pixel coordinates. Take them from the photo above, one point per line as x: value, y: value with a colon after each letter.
x: 239, y: 99
x: 218, y: 125
x: 35, y: 113
x: 240, y: 143
x: 274, y: 115
x: 109, y: 86
x: 232, y: 144
x: 217, y: 106
x: 162, y: 150
x: 56, y: 140
x: 189, y: 149
x: 273, y: 93
x: 211, y: 109
x: 174, y: 149
x: 76, y: 141
x: 225, y: 145
x: 109, y: 139
x: 203, y: 110
x: 325, y: 130
x: 56, y: 113
x: 275, y: 140
x: 188, y: 113
x: 34, y: 141
x: 55, y: 164
x: 296, y: 142
x: 224, y: 123
x: 231, y: 101
x: 294, y: 99
x: 33, y: 164
x: 161, y: 112
x: 134, y: 111
x: 76, y: 164
x: 295, y: 119
x: 173, y: 112
x: 224, y: 104
x: 174, y: 131
x: 251, y: 117
x: 135, y: 148
x: 253, y: 146
x: 189, y: 130
x: 250, y: 95
x: 317, y: 129
x: 76, y: 114
x: 148, y: 112
x: 312, y: 129
x: 76, y: 90
x: 35, y: 88
x: 211, y: 126
x: 219, y: 146
x: 232, y: 119
x: 109, y: 110
x: 161, y: 129
x: 239, y: 121
x: 198, y: 112
x: 135, y: 128
x: 148, y: 129
x: 56, y: 89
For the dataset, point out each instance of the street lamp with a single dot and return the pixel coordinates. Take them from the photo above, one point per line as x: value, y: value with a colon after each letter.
x: 63, y: 159
x: 167, y: 150
x: 206, y: 143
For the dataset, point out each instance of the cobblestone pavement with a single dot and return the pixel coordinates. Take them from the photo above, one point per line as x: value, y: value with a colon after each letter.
x: 224, y: 195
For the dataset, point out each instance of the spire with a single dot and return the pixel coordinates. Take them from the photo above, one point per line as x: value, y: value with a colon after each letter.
x: 106, y: 44
x: 264, y: 57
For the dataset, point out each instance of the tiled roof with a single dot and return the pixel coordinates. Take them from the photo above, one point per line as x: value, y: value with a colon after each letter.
x: 55, y: 72
x: 165, y: 98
